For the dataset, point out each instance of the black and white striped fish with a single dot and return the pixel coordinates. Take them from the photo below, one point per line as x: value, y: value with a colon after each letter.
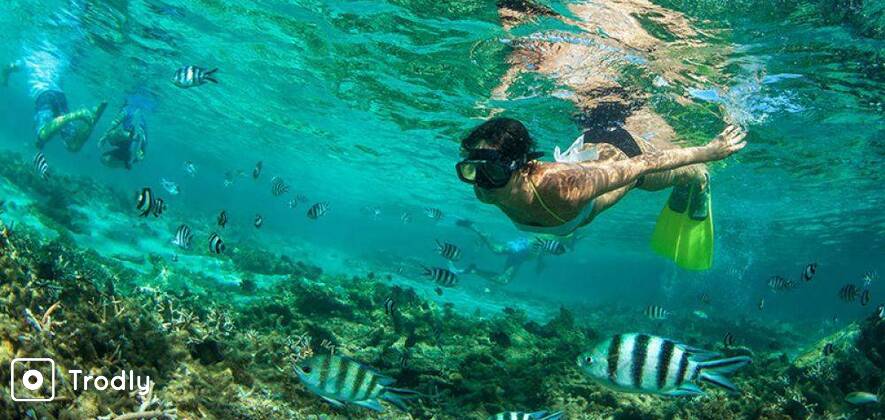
x: 278, y: 187
x: 656, y: 312
x: 865, y: 297
x: 644, y: 363
x: 869, y: 277
x: 191, y: 76
x: 442, y: 276
x: 406, y: 218
x: 183, y: 237
x: 809, y: 271
x: 159, y: 207
x: 340, y: 380
x: 434, y: 213
x: 828, y: 349
x: 222, y: 218
x: 145, y: 202
x: 729, y: 339
x: 549, y: 246
x: 779, y: 283
x: 318, y: 210
x: 41, y: 167
x: 516, y: 415
x: 848, y: 293
x: 259, y: 221
x: 389, y: 305
x: 257, y: 171
x: 216, y: 245
x: 448, y: 251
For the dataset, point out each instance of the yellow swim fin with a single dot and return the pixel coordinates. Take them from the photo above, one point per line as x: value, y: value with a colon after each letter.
x: 684, y: 232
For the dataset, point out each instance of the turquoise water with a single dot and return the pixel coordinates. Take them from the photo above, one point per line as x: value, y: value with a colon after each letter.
x: 362, y: 104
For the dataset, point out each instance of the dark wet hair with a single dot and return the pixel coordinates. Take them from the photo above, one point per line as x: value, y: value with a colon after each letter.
x: 506, y: 135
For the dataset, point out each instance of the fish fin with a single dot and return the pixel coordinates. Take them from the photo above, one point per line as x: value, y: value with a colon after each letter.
x: 211, y: 71
x: 334, y: 402
x: 210, y: 79
x: 543, y: 415
x: 370, y: 404
x: 685, y: 390
x: 714, y: 372
x: 397, y: 397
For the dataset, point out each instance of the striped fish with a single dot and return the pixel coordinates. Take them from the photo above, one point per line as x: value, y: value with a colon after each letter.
x: 216, y: 245
x: 159, y: 207
x: 549, y: 246
x: 729, y: 339
x: 656, y: 312
x: 183, y: 237
x: 537, y: 415
x: 848, y: 293
x: 442, y: 276
x: 191, y: 76
x: 778, y: 283
x: 389, y: 305
x: 448, y: 251
x: 259, y: 221
x: 278, y: 187
x: 222, y: 218
x: 434, y: 213
x: 340, y: 380
x: 406, y: 218
x: 809, y: 271
x: 869, y: 277
x: 257, y: 171
x: 865, y: 297
x: 318, y: 210
x: 828, y: 349
x: 145, y: 202
x: 41, y: 167
x: 642, y: 363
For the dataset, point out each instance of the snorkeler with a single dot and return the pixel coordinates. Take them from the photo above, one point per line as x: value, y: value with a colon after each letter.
x: 625, y: 144
x: 559, y: 197
x: 45, y: 62
x: 516, y: 253
x: 127, y: 135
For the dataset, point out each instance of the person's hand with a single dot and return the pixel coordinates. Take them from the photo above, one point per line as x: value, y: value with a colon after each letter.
x: 726, y: 143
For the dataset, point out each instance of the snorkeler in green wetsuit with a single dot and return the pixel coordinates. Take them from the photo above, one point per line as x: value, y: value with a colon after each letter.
x: 595, y: 173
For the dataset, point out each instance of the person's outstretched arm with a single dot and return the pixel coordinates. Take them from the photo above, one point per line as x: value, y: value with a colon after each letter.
x: 578, y: 184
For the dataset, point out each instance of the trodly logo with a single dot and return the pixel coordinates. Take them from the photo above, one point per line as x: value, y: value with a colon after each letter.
x: 32, y: 379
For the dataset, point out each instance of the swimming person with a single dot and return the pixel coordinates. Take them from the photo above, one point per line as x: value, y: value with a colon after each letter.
x: 618, y: 121
x: 557, y: 198
x: 127, y: 135
x: 45, y: 62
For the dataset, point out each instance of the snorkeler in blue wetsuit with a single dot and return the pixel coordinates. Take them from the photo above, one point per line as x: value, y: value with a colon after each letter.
x: 125, y: 140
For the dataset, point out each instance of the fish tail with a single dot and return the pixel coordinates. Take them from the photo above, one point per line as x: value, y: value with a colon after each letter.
x: 398, y: 397
x: 715, y: 372
x: 209, y: 75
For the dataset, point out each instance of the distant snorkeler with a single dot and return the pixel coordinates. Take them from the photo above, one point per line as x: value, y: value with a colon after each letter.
x: 625, y: 145
x: 559, y: 197
x: 516, y: 253
x: 45, y: 62
x: 125, y: 140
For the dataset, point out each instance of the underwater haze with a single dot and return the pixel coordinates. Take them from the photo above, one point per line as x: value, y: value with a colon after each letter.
x: 314, y: 174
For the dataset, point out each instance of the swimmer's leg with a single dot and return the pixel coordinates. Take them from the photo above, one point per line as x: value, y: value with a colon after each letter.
x: 74, y: 137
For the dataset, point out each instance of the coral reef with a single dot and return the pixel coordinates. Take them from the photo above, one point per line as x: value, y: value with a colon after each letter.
x: 228, y: 352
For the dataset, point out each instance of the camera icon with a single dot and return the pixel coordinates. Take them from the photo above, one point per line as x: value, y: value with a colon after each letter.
x: 28, y: 379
